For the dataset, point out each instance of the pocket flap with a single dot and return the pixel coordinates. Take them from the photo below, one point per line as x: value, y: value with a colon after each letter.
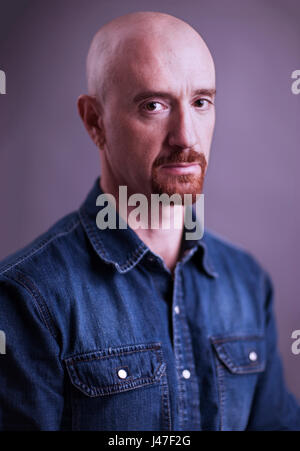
x: 117, y: 369
x: 244, y: 354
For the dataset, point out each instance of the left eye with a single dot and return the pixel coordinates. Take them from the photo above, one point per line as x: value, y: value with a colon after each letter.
x: 153, y: 106
x: 202, y: 103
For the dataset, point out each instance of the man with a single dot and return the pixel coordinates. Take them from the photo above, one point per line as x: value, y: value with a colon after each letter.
x: 141, y: 329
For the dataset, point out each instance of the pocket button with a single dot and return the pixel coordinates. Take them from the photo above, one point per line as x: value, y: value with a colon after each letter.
x: 253, y: 356
x: 122, y: 374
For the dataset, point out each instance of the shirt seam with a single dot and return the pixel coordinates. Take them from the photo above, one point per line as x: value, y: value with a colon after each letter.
x: 38, y: 301
x: 40, y: 312
x: 131, y: 261
x: 41, y: 246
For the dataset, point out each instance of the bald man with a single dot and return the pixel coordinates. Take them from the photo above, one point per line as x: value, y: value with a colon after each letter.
x: 119, y: 325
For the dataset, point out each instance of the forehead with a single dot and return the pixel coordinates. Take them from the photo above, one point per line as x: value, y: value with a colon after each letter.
x: 163, y: 64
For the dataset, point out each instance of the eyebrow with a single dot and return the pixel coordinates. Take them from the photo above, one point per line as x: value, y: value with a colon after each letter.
x: 148, y: 94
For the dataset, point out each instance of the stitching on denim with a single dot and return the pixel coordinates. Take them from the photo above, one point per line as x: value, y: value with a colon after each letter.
x: 84, y: 218
x: 166, y: 416
x: 167, y: 398
x: 178, y: 356
x: 116, y: 388
x: 195, y: 410
x: 236, y: 338
x: 185, y: 341
x: 133, y: 382
x: 206, y: 261
x: 118, y: 385
x: 41, y: 245
x: 182, y: 391
x: 80, y: 357
x: 43, y: 306
x: 99, y: 246
x: 162, y: 402
x: 38, y: 300
x: 167, y: 402
x: 228, y: 360
x: 165, y: 393
x: 132, y: 260
x: 220, y: 380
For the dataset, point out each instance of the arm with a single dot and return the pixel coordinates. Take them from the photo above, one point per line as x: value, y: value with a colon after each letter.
x: 31, y: 375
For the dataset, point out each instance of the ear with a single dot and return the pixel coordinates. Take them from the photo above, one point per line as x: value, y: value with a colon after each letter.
x: 90, y: 113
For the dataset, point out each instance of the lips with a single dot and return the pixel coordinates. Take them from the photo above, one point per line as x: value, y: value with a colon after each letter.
x: 181, y: 168
x: 176, y: 165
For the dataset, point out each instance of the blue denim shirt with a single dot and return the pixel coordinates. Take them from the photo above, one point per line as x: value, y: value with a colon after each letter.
x: 101, y: 336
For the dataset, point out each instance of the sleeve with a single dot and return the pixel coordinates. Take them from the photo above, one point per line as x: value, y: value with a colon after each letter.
x: 31, y: 374
x: 274, y: 407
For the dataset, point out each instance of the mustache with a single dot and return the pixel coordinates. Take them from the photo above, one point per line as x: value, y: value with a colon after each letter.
x: 178, y: 156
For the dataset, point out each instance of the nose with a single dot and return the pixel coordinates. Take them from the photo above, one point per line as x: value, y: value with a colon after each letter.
x: 182, y: 132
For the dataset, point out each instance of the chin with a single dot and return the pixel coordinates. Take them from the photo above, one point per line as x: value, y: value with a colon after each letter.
x: 180, y: 184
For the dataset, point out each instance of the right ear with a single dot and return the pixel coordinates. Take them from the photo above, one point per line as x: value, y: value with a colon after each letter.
x: 90, y: 113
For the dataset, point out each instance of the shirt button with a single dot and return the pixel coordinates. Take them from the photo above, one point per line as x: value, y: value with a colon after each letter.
x: 176, y: 309
x: 186, y: 374
x: 122, y: 374
x: 253, y: 356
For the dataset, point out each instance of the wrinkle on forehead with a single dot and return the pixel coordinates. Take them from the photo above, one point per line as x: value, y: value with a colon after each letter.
x: 136, y: 38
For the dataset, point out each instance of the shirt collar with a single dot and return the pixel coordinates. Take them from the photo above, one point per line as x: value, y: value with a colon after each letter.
x: 122, y: 247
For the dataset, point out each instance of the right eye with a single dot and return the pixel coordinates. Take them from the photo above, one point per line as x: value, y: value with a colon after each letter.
x: 153, y: 107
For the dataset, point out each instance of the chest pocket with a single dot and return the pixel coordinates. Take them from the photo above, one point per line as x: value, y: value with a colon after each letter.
x: 120, y: 388
x: 239, y: 361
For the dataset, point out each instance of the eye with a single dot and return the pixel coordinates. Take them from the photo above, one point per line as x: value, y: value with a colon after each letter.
x: 153, y: 107
x: 203, y: 104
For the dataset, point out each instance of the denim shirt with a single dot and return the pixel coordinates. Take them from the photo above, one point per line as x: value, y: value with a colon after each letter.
x: 100, y: 335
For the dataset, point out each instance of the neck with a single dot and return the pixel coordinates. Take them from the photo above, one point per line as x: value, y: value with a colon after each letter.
x: 165, y: 240
x: 159, y: 226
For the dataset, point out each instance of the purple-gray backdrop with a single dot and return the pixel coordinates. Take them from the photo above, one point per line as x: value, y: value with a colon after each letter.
x: 47, y: 162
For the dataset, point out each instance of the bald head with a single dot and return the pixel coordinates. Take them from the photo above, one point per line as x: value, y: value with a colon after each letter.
x: 134, y: 37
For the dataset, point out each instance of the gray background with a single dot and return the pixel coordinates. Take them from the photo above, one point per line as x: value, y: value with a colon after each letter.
x: 48, y: 164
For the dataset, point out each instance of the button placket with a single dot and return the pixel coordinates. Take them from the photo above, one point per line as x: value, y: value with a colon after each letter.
x: 188, y: 389
x: 186, y: 374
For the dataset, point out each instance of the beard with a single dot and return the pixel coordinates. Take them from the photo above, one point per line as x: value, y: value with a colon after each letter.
x: 179, y: 184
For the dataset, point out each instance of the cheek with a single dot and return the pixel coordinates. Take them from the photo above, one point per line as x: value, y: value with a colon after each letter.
x: 142, y: 141
x: 207, y: 129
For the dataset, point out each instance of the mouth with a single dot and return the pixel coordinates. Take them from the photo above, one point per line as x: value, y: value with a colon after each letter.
x: 181, y: 168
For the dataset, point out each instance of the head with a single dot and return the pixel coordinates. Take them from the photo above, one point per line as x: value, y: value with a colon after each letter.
x: 150, y: 104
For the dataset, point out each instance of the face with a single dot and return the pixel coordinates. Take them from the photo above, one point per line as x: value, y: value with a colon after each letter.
x: 158, y: 118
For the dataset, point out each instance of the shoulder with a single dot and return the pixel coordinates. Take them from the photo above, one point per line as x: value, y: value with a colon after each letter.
x: 31, y: 275
x: 46, y: 247
x: 234, y: 260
